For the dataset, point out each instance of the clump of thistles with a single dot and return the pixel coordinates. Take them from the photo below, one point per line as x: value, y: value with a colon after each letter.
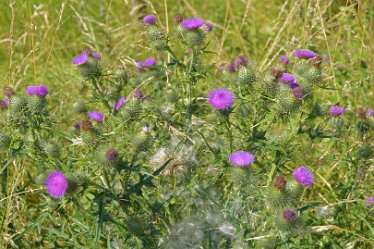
x: 56, y: 184
x: 221, y: 99
x: 336, y: 110
x: 241, y: 158
x: 303, y: 176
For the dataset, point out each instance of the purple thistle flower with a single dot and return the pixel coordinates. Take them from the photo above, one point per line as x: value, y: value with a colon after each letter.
x: 303, y: 176
x: 284, y: 59
x: 41, y: 90
x: 6, y: 101
x: 241, y: 60
x: 221, y: 98
x: 298, y: 92
x: 304, y: 54
x: 369, y: 201
x: 287, y: 78
x: 56, y: 184
x: 294, y: 84
x: 326, y: 59
x: 192, y: 23
x: 149, y: 19
x: 111, y: 155
x: 189, y: 50
x: 31, y: 90
x: 119, y: 103
x: 96, y: 55
x: 97, y: 116
x: 208, y: 27
x: 369, y: 112
x: 149, y: 62
x: 77, y: 125
x: 241, y: 158
x: 289, y: 215
x: 80, y: 59
x: 336, y: 110
x: 231, y: 68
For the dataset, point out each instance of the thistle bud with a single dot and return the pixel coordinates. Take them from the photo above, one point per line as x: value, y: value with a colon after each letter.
x: 246, y: 76
x: 313, y: 76
x: 36, y: 104
x: 277, y: 72
x: 18, y: 104
x: 363, y: 127
x: 5, y: 141
x: 195, y: 37
x: 80, y: 107
x: 155, y: 33
x: 131, y: 111
x: 142, y: 141
x: 52, y: 149
x: 301, y: 67
x: 120, y: 74
x: 365, y: 151
x: 86, y: 125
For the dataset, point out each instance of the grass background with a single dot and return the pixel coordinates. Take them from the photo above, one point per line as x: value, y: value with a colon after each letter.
x: 38, y: 39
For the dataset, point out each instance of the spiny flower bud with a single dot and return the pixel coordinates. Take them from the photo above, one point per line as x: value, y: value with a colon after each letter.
x: 155, y: 33
x: 121, y: 75
x: 277, y: 72
x: 131, y: 111
x: 142, y: 141
x: 280, y: 182
x: 52, y: 149
x: 86, y: 125
x: 301, y: 67
x: 5, y: 141
x: 195, y: 37
x: 246, y: 76
x: 365, y: 151
x: 80, y: 107
x: 364, y: 126
x: 18, y: 103
x: 313, y: 76
x: 289, y: 215
x: 36, y: 104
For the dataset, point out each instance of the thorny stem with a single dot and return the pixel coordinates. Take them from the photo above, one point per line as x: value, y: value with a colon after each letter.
x: 105, y: 102
x: 229, y: 132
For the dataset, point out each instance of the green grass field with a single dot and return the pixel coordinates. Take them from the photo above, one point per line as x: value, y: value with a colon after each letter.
x: 39, y: 39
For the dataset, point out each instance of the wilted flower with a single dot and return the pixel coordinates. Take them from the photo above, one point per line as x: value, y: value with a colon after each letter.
x: 97, y: 116
x: 56, y: 184
x: 111, y: 155
x: 303, y: 176
x: 289, y: 215
x: 80, y: 59
x: 192, y: 23
x: 279, y: 182
x: 304, y: 54
x: 241, y: 158
x: 8, y: 91
x: 284, y: 59
x: 298, y: 92
x: 221, y: 98
x: 369, y: 201
x: 336, y: 110
x: 138, y: 94
x: 119, y: 103
x: 149, y: 19
x: 287, y: 78
x: 178, y: 18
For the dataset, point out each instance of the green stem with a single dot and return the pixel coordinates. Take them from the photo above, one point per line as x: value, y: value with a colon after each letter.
x: 228, y: 128
x: 105, y: 102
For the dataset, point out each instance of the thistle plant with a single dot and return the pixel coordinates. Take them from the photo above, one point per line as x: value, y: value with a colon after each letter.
x: 154, y: 157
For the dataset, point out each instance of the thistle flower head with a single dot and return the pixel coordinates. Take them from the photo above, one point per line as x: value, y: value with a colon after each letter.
x: 56, y: 184
x: 240, y: 61
x: 80, y: 59
x: 289, y: 215
x: 208, y: 26
x: 86, y: 125
x: 336, y: 110
x: 241, y: 158
x: 149, y: 20
x: 41, y: 90
x: 4, y: 104
x: 317, y: 60
x: 369, y: 201
x: 304, y: 54
x: 149, y: 62
x: 298, y: 92
x: 138, y: 94
x: 111, y: 155
x: 284, y: 60
x: 369, y: 112
x: 303, y: 176
x: 97, y: 116
x: 231, y: 68
x: 287, y: 78
x: 31, y: 90
x: 119, y: 103
x: 96, y: 55
x: 221, y: 99
x: 277, y: 72
x: 192, y: 23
